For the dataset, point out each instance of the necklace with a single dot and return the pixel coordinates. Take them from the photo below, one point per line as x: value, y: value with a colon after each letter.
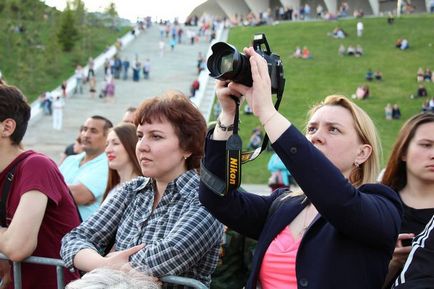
x: 307, y: 220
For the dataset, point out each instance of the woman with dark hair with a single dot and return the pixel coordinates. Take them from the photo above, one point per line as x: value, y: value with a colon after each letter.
x: 158, y: 222
x: 410, y: 172
x: 120, y: 150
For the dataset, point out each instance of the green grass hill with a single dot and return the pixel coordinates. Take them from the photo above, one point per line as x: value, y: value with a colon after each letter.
x: 31, y: 56
x: 309, y: 81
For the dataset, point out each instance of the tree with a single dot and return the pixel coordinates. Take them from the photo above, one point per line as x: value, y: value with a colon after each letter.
x: 68, y: 33
x: 79, y: 10
x: 111, y: 11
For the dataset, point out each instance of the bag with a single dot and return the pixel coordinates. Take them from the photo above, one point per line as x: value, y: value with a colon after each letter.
x: 235, y: 261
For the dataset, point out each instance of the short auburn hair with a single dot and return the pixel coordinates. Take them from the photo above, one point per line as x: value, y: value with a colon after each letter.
x: 186, y: 119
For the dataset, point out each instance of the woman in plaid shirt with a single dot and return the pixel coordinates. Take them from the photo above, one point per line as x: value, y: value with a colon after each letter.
x: 158, y: 224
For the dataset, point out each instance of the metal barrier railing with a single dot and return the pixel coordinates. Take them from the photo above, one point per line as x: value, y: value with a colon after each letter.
x: 183, y: 281
x: 177, y: 280
x: 37, y: 260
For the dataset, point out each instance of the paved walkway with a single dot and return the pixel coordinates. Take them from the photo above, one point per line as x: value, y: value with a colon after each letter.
x: 175, y: 70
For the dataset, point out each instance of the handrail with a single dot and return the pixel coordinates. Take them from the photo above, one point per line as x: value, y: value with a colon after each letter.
x: 183, y: 281
x: 60, y: 280
x: 36, y: 260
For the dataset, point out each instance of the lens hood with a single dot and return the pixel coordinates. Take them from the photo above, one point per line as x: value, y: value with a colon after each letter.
x: 226, y: 63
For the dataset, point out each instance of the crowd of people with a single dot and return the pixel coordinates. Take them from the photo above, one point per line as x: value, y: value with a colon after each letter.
x: 351, y: 50
x: 304, y: 53
x: 128, y: 206
x: 286, y: 13
x: 424, y: 77
x: 392, y: 111
x: 402, y: 43
x: 158, y: 217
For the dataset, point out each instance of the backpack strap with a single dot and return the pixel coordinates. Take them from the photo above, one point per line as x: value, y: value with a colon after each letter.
x: 76, y: 206
x: 6, y: 189
x: 279, y: 201
x: 5, y: 194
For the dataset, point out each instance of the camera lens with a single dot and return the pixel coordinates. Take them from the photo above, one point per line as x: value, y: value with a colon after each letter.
x: 226, y: 63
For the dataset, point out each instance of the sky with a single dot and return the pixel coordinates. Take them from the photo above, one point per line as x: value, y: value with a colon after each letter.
x: 131, y: 9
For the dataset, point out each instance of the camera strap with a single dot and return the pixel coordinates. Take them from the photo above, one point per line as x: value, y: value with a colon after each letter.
x: 251, y: 155
x: 234, y: 145
x: 234, y: 158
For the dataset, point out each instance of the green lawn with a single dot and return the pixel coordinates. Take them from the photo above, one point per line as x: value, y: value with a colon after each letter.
x: 308, y: 81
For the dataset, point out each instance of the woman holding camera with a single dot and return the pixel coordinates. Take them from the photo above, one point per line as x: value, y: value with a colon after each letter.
x: 339, y: 232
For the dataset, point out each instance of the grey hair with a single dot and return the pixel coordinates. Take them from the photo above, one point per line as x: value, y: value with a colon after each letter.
x: 107, y: 278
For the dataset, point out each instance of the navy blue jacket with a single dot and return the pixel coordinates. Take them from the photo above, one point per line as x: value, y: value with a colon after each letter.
x: 348, y: 245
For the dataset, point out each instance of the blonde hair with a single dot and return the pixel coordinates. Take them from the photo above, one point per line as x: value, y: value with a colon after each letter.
x: 366, y: 131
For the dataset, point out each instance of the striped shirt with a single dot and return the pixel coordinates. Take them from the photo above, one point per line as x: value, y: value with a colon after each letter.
x: 418, y: 271
x: 180, y: 236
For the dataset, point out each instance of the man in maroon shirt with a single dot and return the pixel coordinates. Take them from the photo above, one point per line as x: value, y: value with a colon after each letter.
x: 39, y: 208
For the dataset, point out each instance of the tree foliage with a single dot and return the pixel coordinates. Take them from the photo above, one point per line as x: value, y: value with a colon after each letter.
x: 68, y: 33
x: 79, y: 11
x: 111, y: 11
x: 33, y: 38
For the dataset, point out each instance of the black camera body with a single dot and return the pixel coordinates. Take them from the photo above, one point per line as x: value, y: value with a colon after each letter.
x: 226, y: 63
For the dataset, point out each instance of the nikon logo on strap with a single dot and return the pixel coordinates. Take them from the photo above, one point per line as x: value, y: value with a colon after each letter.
x: 233, y: 170
x: 233, y: 162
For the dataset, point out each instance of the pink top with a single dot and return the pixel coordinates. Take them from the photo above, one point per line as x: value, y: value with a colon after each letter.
x: 278, y: 265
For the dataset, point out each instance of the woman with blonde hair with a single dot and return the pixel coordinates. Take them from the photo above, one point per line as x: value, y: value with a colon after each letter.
x: 340, y: 231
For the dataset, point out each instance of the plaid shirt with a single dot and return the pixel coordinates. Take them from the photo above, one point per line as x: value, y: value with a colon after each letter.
x: 180, y: 236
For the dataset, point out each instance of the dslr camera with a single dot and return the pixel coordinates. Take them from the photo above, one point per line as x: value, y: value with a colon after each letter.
x: 226, y: 63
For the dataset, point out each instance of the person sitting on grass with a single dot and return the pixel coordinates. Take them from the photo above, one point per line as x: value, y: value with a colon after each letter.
x: 396, y: 111
x: 369, y: 75
x: 359, y: 50
x: 341, y: 50
x: 362, y: 92
x: 378, y: 75
x: 351, y: 50
x: 297, y: 52
x: 421, y: 91
x: 402, y: 43
x: 306, y: 53
x: 420, y: 74
x: 427, y: 76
